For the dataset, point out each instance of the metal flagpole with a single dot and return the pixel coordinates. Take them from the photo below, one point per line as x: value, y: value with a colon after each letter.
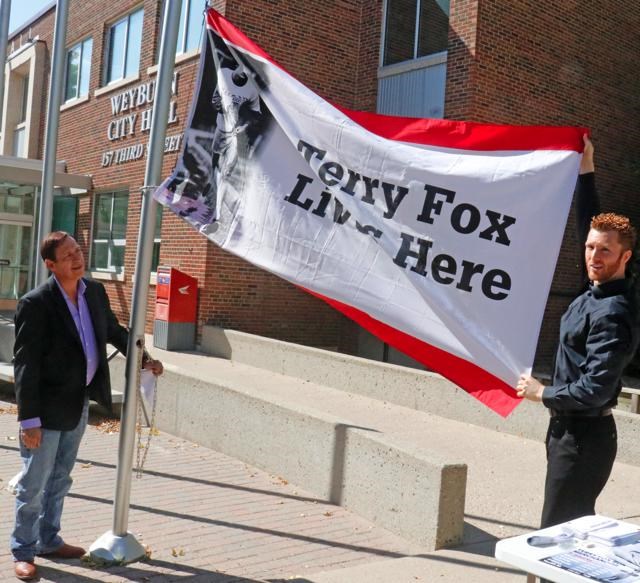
x: 118, y: 545
x: 51, y: 137
x: 5, y: 15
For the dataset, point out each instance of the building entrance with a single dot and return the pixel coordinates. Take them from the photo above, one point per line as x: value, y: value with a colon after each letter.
x: 20, y: 180
x: 16, y: 239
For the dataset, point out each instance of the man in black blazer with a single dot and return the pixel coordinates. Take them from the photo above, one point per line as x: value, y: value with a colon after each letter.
x: 60, y: 362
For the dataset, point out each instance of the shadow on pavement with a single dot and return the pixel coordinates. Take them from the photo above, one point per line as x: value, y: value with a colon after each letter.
x: 435, y: 558
x: 184, y: 478
x: 148, y: 570
x: 245, y: 527
x: 502, y: 522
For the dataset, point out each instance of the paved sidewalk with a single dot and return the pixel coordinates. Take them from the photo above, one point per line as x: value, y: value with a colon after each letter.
x: 203, y: 516
x: 206, y: 517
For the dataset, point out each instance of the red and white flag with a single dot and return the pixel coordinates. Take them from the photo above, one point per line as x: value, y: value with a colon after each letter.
x: 439, y: 237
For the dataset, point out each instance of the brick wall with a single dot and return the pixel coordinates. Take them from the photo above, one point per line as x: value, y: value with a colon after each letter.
x: 461, y: 59
x: 318, y: 43
x: 368, y: 57
x: 522, y: 62
x: 555, y: 63
x: 233, y: 293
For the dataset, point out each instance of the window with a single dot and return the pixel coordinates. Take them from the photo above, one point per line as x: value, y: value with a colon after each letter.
x: 65, y: 213
x: 16, y: 200
x: 415, y: 28
x: 24, y: 100
x: 190, y: 27
x: 191, y: 24
x: 18, y: 142
x: 15, y: 247
x: 109, y: 231
x: 20, y: 130
x: 124, y: 44
x: 78, y: 70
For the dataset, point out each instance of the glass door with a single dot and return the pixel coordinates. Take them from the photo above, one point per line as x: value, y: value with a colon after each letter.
x: 15, y: 247
x: 16, y: 239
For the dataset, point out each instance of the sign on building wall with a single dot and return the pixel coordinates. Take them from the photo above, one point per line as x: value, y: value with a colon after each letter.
x: 131, y: 118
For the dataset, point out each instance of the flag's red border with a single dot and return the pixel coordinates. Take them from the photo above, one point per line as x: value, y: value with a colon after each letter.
x: 468, y: 135
x: 433, y: 132
x: 487, y: 388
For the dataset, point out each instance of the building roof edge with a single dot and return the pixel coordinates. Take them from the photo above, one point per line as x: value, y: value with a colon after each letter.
x: 35, y: 17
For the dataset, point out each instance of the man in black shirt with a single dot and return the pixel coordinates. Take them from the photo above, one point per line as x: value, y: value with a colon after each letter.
x: 598, y: 337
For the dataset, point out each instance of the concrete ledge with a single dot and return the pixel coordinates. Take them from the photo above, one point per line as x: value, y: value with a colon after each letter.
x: 389, y: 480
x: 408, y: 387
x: 6, y: 372
x: 7, y: 337
x: 628, y: 425
x: 418, y: 497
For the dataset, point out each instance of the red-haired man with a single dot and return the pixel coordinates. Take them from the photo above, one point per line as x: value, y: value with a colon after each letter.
x: 598, y: 337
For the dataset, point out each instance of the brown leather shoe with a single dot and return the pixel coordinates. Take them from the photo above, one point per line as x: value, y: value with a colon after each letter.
x: 66, y: 552
x: 25, y: 570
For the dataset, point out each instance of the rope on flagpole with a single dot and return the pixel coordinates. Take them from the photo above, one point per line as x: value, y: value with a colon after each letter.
x: 142, y: 449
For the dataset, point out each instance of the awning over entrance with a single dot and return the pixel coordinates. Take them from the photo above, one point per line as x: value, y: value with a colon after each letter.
x: 26, y: 171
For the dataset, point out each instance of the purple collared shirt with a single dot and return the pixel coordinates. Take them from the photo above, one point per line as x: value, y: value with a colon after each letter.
x: 82, y: 319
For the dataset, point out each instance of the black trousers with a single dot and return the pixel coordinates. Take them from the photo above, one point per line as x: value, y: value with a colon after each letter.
x: 580, y: 455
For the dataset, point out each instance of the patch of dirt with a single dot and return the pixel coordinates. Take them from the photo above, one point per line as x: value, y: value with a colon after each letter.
x: 107, y: 425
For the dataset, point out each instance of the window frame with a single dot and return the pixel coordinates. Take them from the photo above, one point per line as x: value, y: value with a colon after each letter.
x: 182, y: 51
x: 24, y: 101
x: 110, y: 241
x: 416, y: 38
x: 106, y: 81
x: 184, y: 25
x: 19, y: 144
x: 79, y: 94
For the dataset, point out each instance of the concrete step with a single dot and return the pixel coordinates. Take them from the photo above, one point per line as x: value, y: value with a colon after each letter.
x: 6, y: 335
x: 7, y: 376
x: 6, y: 372
x: 374, y: 457
x: 347, y: 449
x: 409, y: 387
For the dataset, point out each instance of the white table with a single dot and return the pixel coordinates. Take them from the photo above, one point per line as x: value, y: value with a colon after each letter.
x: 517, y: 552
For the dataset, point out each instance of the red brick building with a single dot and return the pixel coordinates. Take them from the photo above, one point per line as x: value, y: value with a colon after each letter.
x: 522, y: 62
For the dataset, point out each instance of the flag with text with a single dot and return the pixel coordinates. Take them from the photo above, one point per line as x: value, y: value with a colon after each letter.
x: 439, y: 237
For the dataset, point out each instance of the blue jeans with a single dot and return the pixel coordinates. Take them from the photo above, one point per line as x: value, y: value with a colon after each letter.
x: 44, y: 483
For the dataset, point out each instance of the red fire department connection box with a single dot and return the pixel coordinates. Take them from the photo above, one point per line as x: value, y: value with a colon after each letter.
x: 174, y: 325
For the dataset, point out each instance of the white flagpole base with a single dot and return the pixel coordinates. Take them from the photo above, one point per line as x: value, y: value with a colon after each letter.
x: 110, y: 549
